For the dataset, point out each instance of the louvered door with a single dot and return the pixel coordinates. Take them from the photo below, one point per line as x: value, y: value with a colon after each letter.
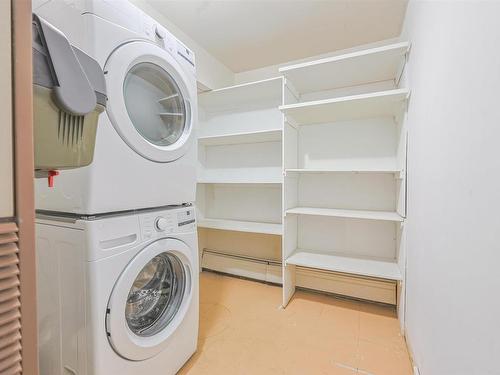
x: 10, y: 293
x: 18, y: 317
x: 10, y: 314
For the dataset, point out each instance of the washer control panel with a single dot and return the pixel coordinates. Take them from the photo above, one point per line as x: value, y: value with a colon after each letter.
x: 162, y: 222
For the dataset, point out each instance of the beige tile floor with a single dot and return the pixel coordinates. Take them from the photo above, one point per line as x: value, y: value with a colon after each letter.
x: 243, y: 330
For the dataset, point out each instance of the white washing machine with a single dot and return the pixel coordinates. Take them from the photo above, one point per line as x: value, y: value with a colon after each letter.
x: 145, y: 153
x: 117, y: 294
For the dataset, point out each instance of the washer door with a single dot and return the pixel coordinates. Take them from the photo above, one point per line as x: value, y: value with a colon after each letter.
x: 149, y: 102
x: 150, y: 300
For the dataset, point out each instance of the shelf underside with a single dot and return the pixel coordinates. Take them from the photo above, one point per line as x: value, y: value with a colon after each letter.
x: 352, y: 214
x: 378, y: 104
x: 241, y: 226
x: 352, y: 69
x: 350, y: 265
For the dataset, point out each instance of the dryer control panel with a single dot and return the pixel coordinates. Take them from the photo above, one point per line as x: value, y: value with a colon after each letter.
x: 159, y: 223
x: 161, y: 36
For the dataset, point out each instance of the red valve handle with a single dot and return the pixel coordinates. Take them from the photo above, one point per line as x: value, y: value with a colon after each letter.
x: 50, y: 177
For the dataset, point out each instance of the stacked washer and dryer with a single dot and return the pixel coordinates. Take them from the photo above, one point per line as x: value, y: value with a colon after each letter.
x: 116, y: 240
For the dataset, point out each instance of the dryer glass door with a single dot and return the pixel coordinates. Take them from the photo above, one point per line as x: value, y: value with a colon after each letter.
x: 155, y: 104
x: 156, y: 295
x: 151, y: 101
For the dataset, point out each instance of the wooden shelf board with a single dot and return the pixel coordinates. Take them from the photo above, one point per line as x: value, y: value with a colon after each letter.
x: 368, y: 267
x: 231, y: 97
x: 241, y: 226
x: 239, y: 138
x: 376, y: 104
x: 352, y: 214
x: 351, y: 69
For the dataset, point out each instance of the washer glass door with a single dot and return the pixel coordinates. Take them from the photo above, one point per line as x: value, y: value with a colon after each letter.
x: 150, y: 299
x: 156, y: 295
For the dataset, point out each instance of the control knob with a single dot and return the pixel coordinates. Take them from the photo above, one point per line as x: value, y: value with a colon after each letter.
x: 161, y: 224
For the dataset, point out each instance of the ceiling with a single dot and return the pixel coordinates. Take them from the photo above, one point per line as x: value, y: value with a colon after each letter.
x: 246, y: 35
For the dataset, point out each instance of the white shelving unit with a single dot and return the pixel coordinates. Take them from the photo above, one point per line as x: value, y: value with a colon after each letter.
x: 240, y: 134
x: 344, y: 190
x: 240, y: 176
x: 316, y: 160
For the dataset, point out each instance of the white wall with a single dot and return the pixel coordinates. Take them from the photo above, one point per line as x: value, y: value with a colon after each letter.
x: 211, y: 73
x: 6, y: 172
x: 453, y: 269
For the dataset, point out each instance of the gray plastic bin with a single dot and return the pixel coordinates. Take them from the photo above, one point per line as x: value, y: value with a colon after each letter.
x: 69, y: 93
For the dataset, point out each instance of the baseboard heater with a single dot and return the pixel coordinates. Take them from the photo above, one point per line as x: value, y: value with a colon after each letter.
x: 365, y: 288
x: 359, y: 287
x: 239, y: 265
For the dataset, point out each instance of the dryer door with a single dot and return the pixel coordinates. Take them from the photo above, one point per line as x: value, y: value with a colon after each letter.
x: 150, y: 300
x: 149, y: 101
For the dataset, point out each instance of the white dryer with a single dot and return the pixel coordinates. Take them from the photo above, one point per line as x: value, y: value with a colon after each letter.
x: 145, y: 153
x: 117, y: 294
